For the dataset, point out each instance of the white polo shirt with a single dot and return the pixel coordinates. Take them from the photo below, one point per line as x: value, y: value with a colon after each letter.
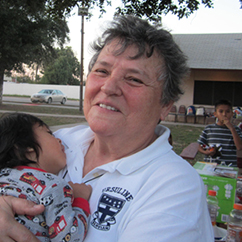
x: 153, y: 195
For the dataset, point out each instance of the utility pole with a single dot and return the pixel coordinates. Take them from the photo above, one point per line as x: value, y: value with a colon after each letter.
x: 82, y: 11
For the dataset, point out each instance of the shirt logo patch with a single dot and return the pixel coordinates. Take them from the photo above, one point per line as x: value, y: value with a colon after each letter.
x: 108, y: 208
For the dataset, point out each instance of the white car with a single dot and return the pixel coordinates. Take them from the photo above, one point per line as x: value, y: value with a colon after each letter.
x: 49, y: 96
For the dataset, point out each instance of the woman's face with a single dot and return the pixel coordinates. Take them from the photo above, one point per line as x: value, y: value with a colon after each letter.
x: 122, y: 95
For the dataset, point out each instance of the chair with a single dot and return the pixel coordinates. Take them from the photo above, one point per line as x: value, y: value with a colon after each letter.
x: 210, y: 118
x: 172, y: 115
x: 236, y: 121
x: 182, y: 113
x: 191, y: 114
x: 200, y: 115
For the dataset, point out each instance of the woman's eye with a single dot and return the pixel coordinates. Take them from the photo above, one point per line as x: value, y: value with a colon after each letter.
x: 101, y: 71
x: 135, y: 81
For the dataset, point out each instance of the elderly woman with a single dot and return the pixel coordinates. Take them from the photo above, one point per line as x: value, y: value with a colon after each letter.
x: 142, y: 190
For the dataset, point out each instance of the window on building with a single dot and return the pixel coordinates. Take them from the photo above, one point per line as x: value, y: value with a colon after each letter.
x: 208, y: 92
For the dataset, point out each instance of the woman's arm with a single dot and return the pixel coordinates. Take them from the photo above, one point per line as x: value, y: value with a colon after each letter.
x: 10, y: 229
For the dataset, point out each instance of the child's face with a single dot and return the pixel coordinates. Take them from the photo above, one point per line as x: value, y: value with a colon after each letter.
x: 52, y: 157
x: 223, y: 112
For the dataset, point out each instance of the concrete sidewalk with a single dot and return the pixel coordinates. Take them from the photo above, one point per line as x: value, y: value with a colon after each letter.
x: 54, y: 128
x: 46, y: 114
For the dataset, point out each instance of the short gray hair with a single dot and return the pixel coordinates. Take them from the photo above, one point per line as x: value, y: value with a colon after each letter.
x: 133, y: 30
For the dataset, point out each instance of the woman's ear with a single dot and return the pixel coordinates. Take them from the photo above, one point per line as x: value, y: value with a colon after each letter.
x: 165, y: 110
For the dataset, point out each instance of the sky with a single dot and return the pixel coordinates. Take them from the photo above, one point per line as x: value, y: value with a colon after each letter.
x: 225, y: 17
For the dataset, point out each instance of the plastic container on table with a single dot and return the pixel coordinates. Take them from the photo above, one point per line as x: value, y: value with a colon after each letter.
x: 234, y: 228
x: 213, y: 207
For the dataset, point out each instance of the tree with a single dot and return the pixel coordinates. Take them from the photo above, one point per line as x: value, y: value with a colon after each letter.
x: 28, y: 33
x: 29, y: 29
x: 150, y: 9
x: 153, y: 9
x: 65, y: 69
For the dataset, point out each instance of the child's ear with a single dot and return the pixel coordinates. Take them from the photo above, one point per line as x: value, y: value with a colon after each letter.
x: 30, y: 149
x: 30, y: 154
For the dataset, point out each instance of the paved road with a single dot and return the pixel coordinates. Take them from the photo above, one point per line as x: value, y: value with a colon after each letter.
x: 21, y: 100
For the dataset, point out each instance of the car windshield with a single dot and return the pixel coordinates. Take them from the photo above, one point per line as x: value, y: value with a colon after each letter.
x: 45, y: 91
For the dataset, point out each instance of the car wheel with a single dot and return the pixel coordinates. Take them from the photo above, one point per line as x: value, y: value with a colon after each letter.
x: 63, y: 101
x: 49, y: 101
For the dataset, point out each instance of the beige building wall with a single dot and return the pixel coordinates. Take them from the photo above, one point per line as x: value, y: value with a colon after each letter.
x: 206, y: 75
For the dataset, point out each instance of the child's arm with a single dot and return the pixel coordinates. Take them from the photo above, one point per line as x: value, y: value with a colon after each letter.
x: 67, y: 218
x: 236, y: 137
x: 209, y: 152
x: 202, y: 141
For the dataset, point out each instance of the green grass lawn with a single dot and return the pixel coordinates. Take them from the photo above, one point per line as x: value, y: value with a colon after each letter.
x: 39, y: 109
x: 51, y: 121
x: 182, y: 135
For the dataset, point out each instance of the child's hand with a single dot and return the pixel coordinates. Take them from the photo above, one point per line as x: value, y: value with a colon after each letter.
x: 226, y: 122
x: 81, y: 190
x: 210, y: 151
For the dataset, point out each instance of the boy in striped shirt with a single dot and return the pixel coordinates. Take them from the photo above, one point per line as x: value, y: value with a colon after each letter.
x: 219, y: 141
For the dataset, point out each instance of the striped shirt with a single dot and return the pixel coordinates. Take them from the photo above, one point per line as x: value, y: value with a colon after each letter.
x: 215, y: 135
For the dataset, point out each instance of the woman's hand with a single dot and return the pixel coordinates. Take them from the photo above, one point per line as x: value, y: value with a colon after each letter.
x: 10, y: 229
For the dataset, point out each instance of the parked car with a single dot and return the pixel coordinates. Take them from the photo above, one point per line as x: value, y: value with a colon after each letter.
x: 49, y: 96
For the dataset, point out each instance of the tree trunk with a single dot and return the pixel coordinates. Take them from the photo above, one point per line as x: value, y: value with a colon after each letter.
x: 36, y: 72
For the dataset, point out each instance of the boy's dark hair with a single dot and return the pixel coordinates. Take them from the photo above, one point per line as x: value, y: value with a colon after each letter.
x: 223, y: 102
x: 16, y: 137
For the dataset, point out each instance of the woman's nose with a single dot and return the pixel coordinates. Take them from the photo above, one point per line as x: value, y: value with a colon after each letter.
x: 112, y: 86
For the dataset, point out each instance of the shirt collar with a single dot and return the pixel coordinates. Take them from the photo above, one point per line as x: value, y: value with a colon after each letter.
x: 134, y: 162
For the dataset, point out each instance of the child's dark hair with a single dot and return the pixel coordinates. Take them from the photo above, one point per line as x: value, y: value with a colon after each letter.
x: 223, y: 102
x: 16, y: 137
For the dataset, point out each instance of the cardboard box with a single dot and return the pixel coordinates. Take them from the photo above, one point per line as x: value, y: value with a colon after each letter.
x: 224, y: 186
